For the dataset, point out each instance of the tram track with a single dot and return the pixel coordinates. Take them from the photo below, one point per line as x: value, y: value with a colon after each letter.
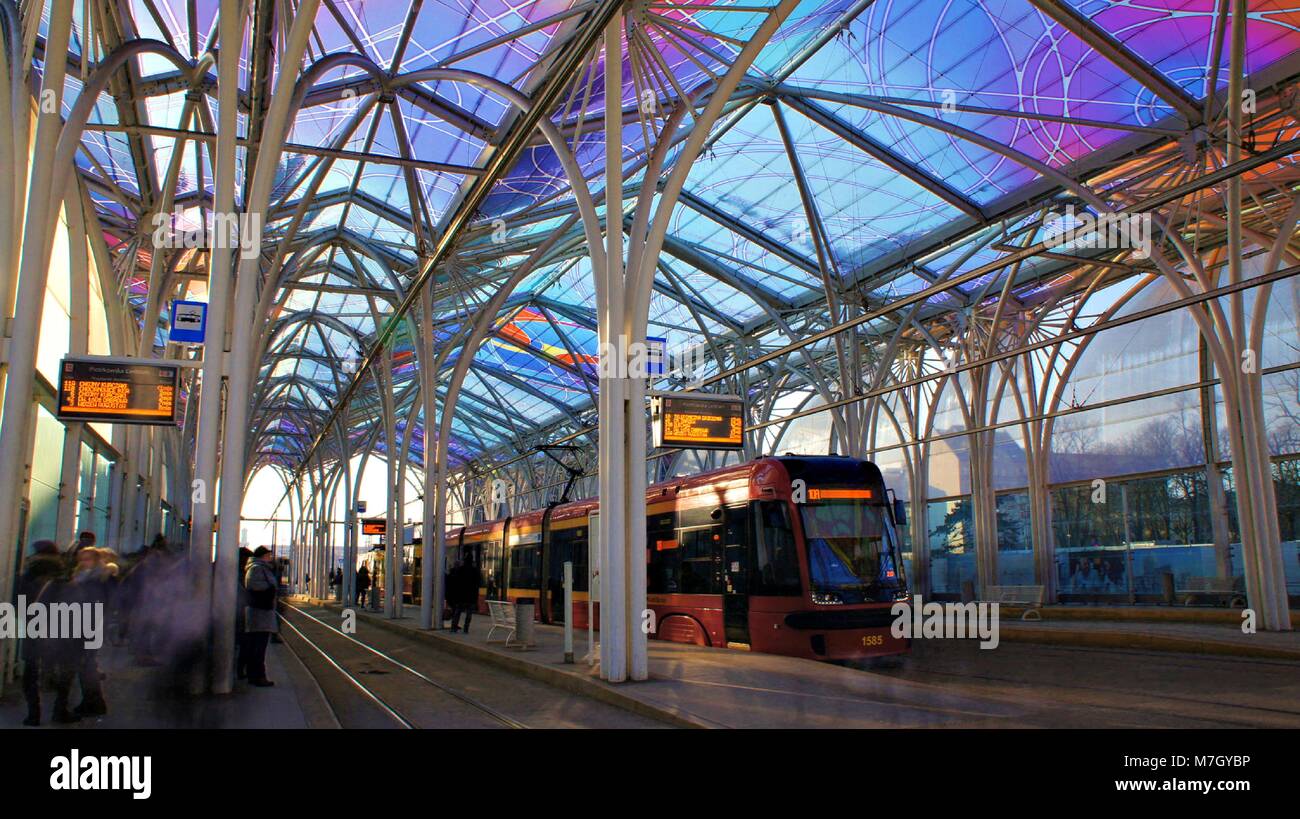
x: 344, y: 655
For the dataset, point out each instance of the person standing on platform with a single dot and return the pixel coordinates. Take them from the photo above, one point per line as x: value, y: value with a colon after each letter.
x: 43, y: 580
x: 261, y: 620
x: 93, y: 580
x: 363, y: 584
x: 465, y: 580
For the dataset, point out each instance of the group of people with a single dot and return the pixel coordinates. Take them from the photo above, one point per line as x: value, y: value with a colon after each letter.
x: 1095, y: 575
x: 462, y: 585
x: 124, y: 593
x: 149, y: 604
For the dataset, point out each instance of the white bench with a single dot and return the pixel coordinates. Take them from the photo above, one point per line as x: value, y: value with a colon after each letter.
x: 1212, y: 586
x: 1031, y: 597
x: 503, y: 616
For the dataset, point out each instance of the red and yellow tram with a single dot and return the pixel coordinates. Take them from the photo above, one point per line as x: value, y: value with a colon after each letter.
x: 795, y: 555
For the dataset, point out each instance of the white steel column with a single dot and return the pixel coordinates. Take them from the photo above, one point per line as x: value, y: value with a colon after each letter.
x: 392, y: 528
x: 78, y: 338
x: 203, y: 493
x: 284, y: 103
x: 615, y: 639
x: 26, y: 325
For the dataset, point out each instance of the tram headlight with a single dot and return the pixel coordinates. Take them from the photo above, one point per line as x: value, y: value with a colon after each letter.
x: 827, y: 599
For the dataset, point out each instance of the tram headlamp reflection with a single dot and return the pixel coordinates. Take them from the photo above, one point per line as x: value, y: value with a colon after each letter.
x: 827, y: 599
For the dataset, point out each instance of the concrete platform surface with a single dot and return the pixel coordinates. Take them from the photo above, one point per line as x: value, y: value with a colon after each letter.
x: 941, y: 684
x: 141, y: 697
x: 1207, y: 637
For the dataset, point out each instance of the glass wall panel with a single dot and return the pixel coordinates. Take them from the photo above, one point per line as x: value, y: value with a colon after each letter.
x: 1286, y: 481
x: 1015, y: 541
x: 103, y: 495
x: 1090, y: 542
x: 47, y: 463
x: 1009, y: 468
x: 1169, y: 522
x: 1154, y: 353
x: 949, y: 457
x: 86, y: 489
x: 1281, y: 400
x: 952, y: 544
x: 1121, y: 539
x: 810, y: 435
x: 1142, y: 436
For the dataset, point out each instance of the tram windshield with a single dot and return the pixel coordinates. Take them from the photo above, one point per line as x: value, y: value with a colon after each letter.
x: 851, y: 558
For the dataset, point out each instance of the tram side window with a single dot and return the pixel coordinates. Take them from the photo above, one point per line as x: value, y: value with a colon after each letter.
x: 665, y: 558
x: 701, y: 559
x: 776, y: 561
x: 523, y: 567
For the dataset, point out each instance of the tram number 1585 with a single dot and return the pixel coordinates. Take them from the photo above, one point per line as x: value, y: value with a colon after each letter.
x: 873, y: 640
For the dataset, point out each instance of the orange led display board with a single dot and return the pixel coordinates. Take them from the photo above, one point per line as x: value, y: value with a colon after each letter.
x: 118, y: 392
x: 698, y: 421
x: 374, y: 526
x: 839, y: 494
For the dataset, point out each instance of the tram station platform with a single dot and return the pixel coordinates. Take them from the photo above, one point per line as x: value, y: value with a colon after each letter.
x: 140, y: 696
x: 1055, y: 673
x: 1194, y: 631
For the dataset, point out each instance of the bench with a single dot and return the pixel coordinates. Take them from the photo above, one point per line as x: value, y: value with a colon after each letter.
x: 503, y: 616
x: 1194, y: 587
x: 1031, y: 597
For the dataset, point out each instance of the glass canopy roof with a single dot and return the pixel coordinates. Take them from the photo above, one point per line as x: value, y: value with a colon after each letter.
x: 919, y: 127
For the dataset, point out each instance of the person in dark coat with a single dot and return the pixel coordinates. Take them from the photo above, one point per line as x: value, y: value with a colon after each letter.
x: 463, y: 592
x: 43, y: 581
x: 94, y: 579
x: 363, y: 584
x: 260, y: 619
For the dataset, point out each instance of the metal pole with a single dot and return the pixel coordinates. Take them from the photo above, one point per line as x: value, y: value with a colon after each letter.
x: 593, y: 584
x: 428, y: 392
x: 1128, y: 543
x: 568, y: 611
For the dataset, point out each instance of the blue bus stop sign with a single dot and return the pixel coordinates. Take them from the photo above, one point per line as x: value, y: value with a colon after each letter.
x: 189, y: 322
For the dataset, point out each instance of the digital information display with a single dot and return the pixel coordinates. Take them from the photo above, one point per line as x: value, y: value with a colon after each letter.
x: 119, y: 392
x: 374, y: 526
x: 698, y: 421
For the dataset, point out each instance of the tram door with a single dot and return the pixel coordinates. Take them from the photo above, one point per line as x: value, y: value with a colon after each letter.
x: 475, y: 551
x: 735, y: 574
